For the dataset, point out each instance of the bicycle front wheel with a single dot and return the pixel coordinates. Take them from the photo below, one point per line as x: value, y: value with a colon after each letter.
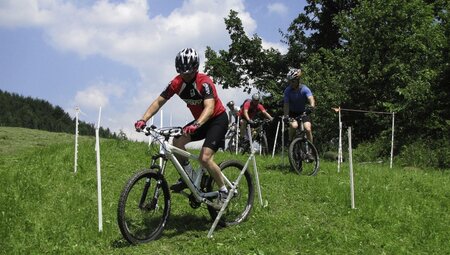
x: 264, y: 146
x: 231, y: 145
x: 144, y: 207
x: 303, y: 157
x: 240, y: 205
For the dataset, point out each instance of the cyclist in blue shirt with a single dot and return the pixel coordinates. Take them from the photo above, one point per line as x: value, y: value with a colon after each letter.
x: 296, y: 95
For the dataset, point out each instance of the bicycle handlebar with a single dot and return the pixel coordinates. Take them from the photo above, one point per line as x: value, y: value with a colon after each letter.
x: 165, y: 131
x: 259, y: 122
x: 298, y: 118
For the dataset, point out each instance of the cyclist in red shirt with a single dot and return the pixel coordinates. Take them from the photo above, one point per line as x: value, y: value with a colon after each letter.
x: 249, y: 110
x: 210, y: 118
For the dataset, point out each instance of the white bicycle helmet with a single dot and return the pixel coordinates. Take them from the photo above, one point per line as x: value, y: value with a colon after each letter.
x: 293, y: 74
x: 256, y: 97
x: 187, y: 61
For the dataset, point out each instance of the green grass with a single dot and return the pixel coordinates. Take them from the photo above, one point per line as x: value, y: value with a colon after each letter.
x: 46, y: 208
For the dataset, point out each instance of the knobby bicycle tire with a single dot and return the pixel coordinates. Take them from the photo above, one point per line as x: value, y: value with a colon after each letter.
x: 241, y: 204
x: 302, y: 161
x: 245, y: 147
x: 231, y: 145
x: 144, y: 207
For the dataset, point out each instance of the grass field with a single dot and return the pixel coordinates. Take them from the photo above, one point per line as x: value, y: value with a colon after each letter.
x: 47, y: 209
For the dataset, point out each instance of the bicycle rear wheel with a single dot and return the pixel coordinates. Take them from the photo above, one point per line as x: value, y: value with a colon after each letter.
x: 303, y: 157
x: 241, y: 204
x: 144, y: 207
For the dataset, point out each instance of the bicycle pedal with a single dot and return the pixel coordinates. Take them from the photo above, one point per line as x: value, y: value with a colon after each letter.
x: 178, y: 187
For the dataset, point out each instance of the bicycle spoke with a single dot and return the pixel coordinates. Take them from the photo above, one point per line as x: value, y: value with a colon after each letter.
x: 303, y: 157
x: 143, y: 208
x: 144, y: 192
x: 242, y: 201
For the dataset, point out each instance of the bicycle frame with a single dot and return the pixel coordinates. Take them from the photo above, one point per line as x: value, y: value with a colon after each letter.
x: 300, y: 131
x: 261, y: 129
x: 232, y: 136
x: 168, y: 152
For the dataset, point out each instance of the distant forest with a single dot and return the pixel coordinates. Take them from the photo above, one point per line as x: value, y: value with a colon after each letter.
x: 27, y: 112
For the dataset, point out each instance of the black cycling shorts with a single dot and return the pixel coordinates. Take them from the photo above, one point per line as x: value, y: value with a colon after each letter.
x: 213, y: 131
x: 306, y: 118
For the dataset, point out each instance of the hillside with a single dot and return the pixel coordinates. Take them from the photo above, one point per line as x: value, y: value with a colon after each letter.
x: 27, y: 112
x: 46, y: 208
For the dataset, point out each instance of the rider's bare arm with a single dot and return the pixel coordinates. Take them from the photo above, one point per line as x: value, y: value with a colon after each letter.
x: 312, y: 102
x: 207, y: 111
x: 154, y: 108
x: 267, y: 115
x: 246, y: 117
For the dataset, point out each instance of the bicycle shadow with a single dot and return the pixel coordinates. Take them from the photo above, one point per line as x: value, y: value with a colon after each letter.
x: 283, y: 168
x: 179, y: 224
x: 120, y: 243
x: 176, y: 225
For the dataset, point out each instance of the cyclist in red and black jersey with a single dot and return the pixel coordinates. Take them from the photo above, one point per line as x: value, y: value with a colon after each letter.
x: 210, y: 118
x: 249, y: 110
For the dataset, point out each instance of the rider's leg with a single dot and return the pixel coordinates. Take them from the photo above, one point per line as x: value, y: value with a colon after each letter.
x: 214, y: 139
x: 308, y: 129
x: 292, y: 127
x: 180, y: 142
x: 207, y: 160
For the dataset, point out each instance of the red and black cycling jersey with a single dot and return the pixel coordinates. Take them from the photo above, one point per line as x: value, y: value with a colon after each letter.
x: 252, y: 109
x: 195, y: 93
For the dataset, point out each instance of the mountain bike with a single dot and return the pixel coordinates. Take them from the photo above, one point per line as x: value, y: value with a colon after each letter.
x: 231, y: 136
x: 145, y: 202
x: 303, y: 155
x: 258, y: 135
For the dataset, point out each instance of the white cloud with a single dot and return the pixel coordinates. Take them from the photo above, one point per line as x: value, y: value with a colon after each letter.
x: 277, y: 8
x: 97, y: 95
x: 281, y: 47
x: 25, y: 13
x: 123, y: 32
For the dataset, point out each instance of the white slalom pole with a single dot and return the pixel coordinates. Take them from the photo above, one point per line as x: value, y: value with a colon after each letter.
x: 275, y: 141
x: 238, y: 131
x: 350, y: 158
x: 282, y: 142
x: 255, y: 169
x: 392, y: 139
x: 99, y: 177
x: 160, y: 146
x: 340, y: 141
x: 77, y: 111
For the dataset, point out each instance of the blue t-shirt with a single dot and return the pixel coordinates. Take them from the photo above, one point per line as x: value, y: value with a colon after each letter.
x: 297, y: 98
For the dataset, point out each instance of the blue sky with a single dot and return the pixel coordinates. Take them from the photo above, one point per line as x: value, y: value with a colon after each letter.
x: 120, y: 54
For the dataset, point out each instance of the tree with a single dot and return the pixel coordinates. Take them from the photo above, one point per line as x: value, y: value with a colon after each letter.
x: 246, y: 64
x: 19, y: 111
x: 394, y: 50
x: 390, y: 55
x: 315, y: 29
